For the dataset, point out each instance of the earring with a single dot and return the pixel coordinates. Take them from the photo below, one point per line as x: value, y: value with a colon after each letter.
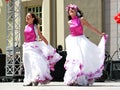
x: 78, y: 14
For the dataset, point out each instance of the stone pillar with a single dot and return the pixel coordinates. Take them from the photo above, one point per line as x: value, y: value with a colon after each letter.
x: 60, y: 22
x: 46, y: 19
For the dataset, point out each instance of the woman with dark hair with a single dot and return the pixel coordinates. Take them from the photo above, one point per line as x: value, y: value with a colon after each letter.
x: 84, y: 61
x: 39, y: 57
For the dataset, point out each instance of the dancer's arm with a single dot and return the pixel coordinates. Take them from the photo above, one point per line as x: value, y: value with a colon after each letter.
x: 42, y: 37
x: 86, y: 23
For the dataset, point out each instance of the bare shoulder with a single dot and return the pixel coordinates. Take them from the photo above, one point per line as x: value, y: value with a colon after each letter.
x: 82, y: 19
x: 69, y: 22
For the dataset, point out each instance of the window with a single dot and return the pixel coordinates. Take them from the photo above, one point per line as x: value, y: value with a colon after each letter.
x: 37, y: 10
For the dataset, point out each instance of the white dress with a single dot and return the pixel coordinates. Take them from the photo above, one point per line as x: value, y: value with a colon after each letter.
x: 38, y: 58
x: 85, y: 60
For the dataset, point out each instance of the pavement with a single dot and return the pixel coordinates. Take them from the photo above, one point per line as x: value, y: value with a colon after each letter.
x: 107, y: 85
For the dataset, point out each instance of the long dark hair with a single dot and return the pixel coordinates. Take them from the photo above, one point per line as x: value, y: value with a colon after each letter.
x: 36, y: 20
x: 79, y: 13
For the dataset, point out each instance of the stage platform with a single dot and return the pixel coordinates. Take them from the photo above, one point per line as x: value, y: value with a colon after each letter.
x: 108, y: 85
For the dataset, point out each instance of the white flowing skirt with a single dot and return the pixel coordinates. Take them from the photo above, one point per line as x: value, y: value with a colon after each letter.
x: 38, y: 60
x: 84, y: 61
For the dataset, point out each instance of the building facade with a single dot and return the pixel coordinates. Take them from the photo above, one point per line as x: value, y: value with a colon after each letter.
x: 100, y: 13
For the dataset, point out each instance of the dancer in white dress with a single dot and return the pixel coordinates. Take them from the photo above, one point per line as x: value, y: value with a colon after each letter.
x: 85, y: 60
x: 39, y: 57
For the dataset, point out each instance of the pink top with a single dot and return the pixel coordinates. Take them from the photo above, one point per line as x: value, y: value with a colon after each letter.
x: 76, y: 28
x: 29, y: 33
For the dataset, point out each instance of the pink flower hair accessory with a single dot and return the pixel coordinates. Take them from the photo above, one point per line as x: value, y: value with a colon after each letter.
x: 71, y: 6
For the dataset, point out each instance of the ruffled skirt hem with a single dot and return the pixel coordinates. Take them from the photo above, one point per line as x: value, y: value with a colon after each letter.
x: 38, y: 60
x: 84, y: 61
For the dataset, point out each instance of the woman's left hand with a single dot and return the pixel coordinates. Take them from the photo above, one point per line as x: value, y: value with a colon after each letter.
x: 102, y: 34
